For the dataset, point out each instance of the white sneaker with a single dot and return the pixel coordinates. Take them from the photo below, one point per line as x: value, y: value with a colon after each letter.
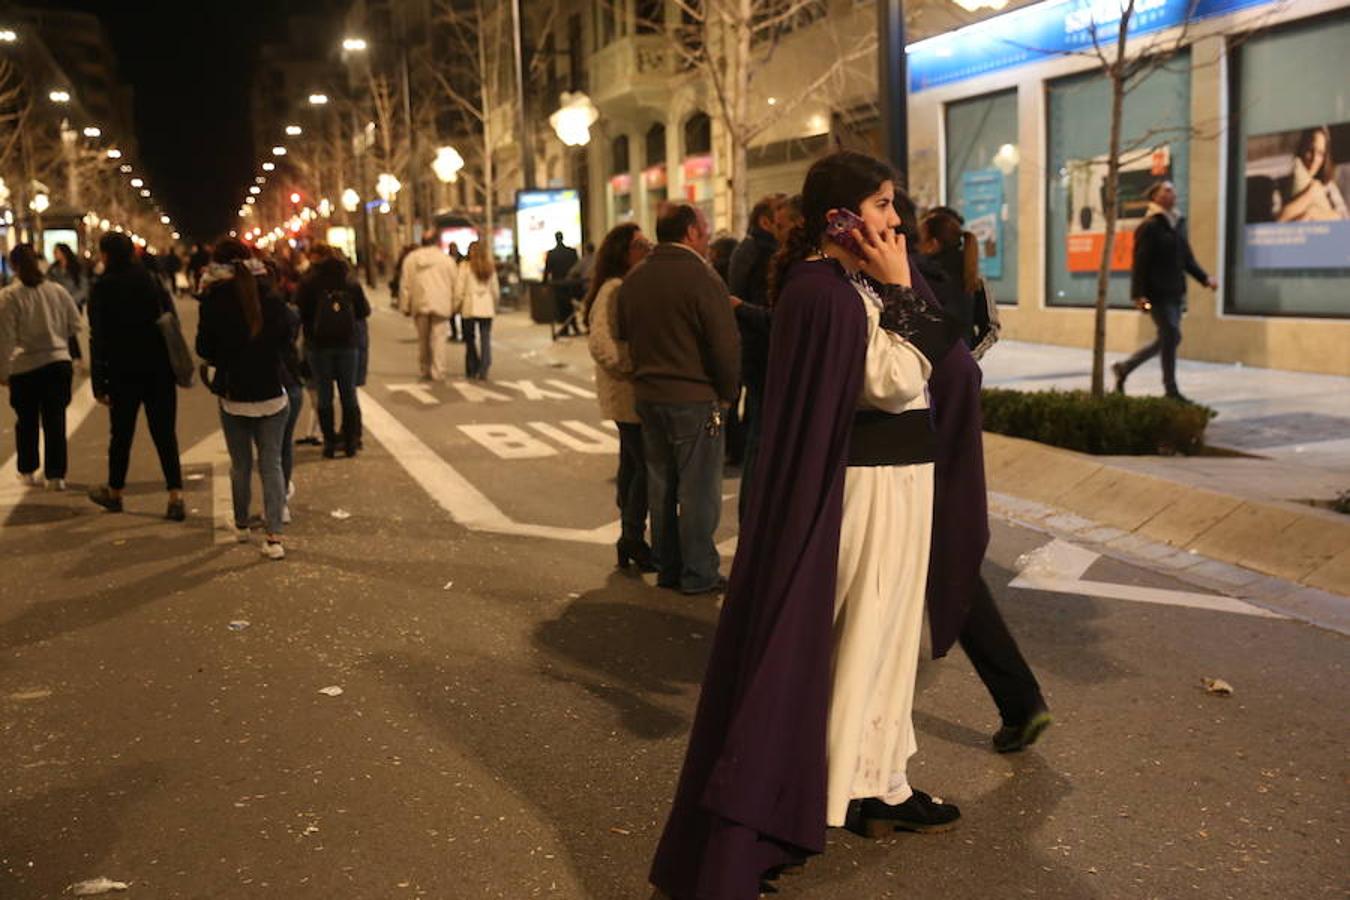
x: 241, y: 534
x: 273, y: 550
x: 286, y: 514
x: 56, y: 484
x: 30, y: 478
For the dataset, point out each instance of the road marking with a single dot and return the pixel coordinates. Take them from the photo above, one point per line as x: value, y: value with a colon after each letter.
x: 467, y: 505
x: 592, y: 440
x: 418, y: 392
x: 476, y: 394
x: 533, y: 392
x: 508, y: 441
x: 211, y: 451
x: 1059, y: 567
x: 571, y: 389
x: 11, y: 491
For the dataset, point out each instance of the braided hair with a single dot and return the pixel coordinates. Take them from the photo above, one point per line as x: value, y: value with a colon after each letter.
x: 842, y: 180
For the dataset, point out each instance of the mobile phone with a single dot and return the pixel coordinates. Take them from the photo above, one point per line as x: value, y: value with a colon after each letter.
x: 839, y: 226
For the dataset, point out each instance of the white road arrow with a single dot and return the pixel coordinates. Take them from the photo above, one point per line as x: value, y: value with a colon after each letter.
x: 1059, y: 566
x: 419, y: 392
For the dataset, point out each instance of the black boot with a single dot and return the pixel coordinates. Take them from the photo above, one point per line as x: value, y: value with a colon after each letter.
x: 329, y: 433
x: 351, y: 434
x: 637, y: 553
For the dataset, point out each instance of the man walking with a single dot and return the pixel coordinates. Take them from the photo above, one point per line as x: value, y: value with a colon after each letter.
x: 1162, y: 260
x: 675, y: 314
x: 426, y: 291
x: 558, y: 265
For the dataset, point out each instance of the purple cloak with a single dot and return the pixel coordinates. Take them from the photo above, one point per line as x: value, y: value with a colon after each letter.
x: 752, y: 792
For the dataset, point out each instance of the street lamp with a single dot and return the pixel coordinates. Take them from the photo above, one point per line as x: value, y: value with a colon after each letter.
x: 294, y: 130
x: 164, y: 220
x: 250, y: 200
x: 447, y: 164
x: 125, y: 168
x: 354, y: 44
x: 8, y: 35
x: 318, y: 99
x: 350, y: 200
x: 278, y: 151
x: 114, y: 153
x: 387, y: 186
x: 93, y: 131
x: 59, y: 96
x: 255, y: 190
x: 40, y: 203
x: 260, y: 180
x: 138, y: 182
x: 269, y: 166
x: 145, y: 192
x: 573, y: 121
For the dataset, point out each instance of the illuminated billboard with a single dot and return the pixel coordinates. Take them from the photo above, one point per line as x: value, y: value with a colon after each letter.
x: 539, y: 216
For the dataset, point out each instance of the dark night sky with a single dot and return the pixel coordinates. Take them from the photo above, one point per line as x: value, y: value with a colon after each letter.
x: 190, y: 63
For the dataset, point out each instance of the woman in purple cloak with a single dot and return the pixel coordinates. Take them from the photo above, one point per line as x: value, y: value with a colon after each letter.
x: 805, y: 716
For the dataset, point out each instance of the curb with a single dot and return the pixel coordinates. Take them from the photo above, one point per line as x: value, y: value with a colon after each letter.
x: 1310, y: 547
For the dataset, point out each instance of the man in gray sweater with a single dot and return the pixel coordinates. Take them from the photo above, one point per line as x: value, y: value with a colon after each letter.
x: 676, y: 316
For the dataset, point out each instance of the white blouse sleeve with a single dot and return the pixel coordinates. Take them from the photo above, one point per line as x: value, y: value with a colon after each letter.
x: 896, y: 373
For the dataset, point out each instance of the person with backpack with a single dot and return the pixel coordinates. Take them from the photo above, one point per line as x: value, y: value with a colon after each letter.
x: 243, y: 334
x: 130, y: 368
x: 330, y: 304
x: 427, y: 284
x: 38, y: 324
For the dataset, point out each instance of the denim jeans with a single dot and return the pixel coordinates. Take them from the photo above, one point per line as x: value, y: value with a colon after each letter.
x: 1166, y: 316
x: 335, y: 366
x: 242, y: 434
x: 296, y: 395
x: 40, y: 398
x: 477, y: 347
x: 684, y: 490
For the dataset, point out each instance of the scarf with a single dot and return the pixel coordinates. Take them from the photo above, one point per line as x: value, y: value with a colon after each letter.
x: 218, y: 272
x: 1173, y: 215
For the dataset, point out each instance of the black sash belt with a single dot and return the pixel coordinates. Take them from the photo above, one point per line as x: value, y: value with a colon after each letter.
x: 891, y: 439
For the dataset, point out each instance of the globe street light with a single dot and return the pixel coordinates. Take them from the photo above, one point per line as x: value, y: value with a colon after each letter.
x: 8, y: 35
x: 350, y: 200
x: 40, y: 203
x: 137, y: 182
x: 318, y: 99
x: 447, y: 164
x: 59, y: 96
x: 293, y: 130
x: 114, y: 153
x: 574, y: 120
x: 125, y: 168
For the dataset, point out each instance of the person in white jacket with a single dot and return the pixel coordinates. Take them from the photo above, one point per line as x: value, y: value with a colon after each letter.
x: 623, y: 248
x: 427, y: 287
x: 478, y: 292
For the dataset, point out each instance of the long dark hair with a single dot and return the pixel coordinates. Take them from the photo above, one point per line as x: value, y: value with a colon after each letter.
x: 120, y: 252
x: 70, y: 262
x: 842, y: 180
x: 611, y: 261
x: 24, y: 259
x: 958, y: 251
x: 232, y: 251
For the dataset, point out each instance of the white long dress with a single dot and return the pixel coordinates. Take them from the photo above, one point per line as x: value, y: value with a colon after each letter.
x: 879, y: 594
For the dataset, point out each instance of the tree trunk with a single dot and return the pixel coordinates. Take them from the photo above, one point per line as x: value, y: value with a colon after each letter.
x: 489, y: 176
x: 738, y: 83
x: 1116, y: 75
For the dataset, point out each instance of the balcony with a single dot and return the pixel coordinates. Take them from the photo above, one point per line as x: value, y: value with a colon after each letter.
x: 632, y: 77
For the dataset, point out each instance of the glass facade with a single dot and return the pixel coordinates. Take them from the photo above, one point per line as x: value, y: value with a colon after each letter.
x: 981, y: 180
x: 1288, y: 225
x: 1155, y: 138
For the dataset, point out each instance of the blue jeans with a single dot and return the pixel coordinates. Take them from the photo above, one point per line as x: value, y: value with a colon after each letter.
x: 1166, y: 315
x: 296, y: 395
x: 684, y: 490
x: 336, y: 366
x: 242, y: 434
x: 477, y: 361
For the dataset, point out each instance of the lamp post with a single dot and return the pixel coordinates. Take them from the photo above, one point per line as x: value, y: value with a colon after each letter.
x: 892, y: 91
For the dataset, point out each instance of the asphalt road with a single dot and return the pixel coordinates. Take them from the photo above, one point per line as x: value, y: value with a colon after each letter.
x: 514, y: 710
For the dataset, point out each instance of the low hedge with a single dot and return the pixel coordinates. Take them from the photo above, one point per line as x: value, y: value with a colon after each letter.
x: 1109, y: 425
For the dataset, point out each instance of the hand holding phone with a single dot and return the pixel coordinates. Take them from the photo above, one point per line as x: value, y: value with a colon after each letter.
x: 840, y: 225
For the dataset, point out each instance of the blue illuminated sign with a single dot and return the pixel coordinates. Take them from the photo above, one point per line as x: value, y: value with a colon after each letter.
x: 1037, y: 33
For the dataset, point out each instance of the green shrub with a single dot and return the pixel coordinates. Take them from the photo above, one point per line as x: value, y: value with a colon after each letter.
x: 1112, y: 425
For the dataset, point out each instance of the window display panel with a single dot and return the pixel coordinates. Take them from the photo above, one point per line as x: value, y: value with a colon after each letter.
x: 1155, y: 147
x: 981, y: 174
x: 1289, y: 226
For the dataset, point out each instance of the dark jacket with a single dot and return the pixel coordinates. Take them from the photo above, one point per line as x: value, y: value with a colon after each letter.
x: 124, y: 341
x: 675, y: 314
x: 248, y: 368
x: 558, y: 263
x: 749, y: 280
x: 1162, y: 259
x: 329, y: 275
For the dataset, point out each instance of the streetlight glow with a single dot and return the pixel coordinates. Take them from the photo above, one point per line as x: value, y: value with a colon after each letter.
x: 354, y: 44
x: 93, y: 131
x: 255, y: 190
x: 294, y: 130
x: 9, y: 35
x: 164, y: 220
x: 447, y: 164
x: 138, y: 182
x: 250, y: 200
x: 145, y: 192
x: 318, y: 99
x: 114, y: 153
x: 125, y: 168
x: 350, y: 200
x: 574, y: 120
x: 260, y: 180
x: 278, y: 151
x: 59, y: 96
x: 40, y: 203
x: 295, y: 196
x: 269, y: 166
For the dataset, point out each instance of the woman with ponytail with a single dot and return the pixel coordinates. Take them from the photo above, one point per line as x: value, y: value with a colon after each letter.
x: 38, y: 324
x: 944, y: 242
x: 243, y: 334
x: 129, y: 367
x: 805, y: 717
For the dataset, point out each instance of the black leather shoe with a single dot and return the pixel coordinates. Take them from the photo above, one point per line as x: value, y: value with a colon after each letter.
x: 637, y: 554
x: 1012, y: 738
x: 176, y: 511
x: 921, y: 813
x: 103, y: 496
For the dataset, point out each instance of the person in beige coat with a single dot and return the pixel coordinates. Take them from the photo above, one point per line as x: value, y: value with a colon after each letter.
x: 477, y: 304
x: 427, y: 285
x: 623, y: 248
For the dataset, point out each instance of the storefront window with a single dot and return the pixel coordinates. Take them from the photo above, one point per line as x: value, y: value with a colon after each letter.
x: 1155, y: 146
x: 981, y: 168
x: 1288, y: 223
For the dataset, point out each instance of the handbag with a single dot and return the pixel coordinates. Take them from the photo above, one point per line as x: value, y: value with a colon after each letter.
x: 180, y: 357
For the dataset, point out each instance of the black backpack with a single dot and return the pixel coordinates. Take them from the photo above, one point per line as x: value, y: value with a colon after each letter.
x: 335, y: 320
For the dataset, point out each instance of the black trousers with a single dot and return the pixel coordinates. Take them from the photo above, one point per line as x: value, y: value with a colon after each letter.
x: 998, y: 661
x: 631, y: 483
x: 40, y: 398
x: 1166, y: 315
x: 158, y: 393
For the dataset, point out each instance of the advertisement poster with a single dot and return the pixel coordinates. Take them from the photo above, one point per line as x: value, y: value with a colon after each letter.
x: 540, y: 215
x: 1296, y: 211
x: 982, y: 194
x: 1086, y: 206
x: 53, y: 236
